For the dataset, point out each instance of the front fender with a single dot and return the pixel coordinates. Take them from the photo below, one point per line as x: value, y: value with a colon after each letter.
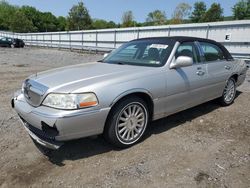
x: 131, y: 91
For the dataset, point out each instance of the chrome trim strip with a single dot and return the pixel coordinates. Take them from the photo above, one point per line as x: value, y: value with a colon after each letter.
x: 36, y: 90
x: 33, y: 92
x: 69, y: 115
x: 37, y: 86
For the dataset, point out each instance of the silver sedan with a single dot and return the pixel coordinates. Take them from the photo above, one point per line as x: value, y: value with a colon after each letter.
x: 143, y: 80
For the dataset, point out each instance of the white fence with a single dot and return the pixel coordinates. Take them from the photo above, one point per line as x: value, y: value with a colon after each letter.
x: 235, y: 35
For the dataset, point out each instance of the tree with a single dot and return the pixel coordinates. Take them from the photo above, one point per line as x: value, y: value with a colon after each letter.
x: 181, y: 11
x: 5, y: 11
x: 248, y: 9
x: 61, y: 23
x: 241, y: 10
x: 198, y: 12
x: 34, y: 16
x: 102, y: 24
x: 214, y: 13
x: 128, y: 19
x: 157, y: 17
x: 20, y: 23
x: 79, y: 17
x: 28, y: 19
x: 111, y: 24
x: 49, y: 22
x: 44, y: 21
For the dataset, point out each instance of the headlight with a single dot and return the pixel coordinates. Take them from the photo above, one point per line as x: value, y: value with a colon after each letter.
x: 70, y: 101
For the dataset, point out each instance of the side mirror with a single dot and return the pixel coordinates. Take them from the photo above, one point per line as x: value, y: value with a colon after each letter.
x: 181, y: 61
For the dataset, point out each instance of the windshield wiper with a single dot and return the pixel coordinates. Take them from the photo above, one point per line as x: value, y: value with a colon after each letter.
x: 120, y: 63
x: 113, y: 62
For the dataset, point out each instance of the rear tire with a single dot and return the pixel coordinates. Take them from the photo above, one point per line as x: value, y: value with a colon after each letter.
x: 229, y: 93
x: 127, y: 122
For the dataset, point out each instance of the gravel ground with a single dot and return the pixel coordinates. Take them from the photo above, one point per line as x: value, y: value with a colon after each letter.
x: 206, y: 146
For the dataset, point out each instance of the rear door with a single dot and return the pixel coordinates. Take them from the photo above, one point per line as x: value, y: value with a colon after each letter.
x: 218, y: 68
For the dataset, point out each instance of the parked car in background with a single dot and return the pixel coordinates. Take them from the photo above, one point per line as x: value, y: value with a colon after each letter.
x: 143, y: 80
x: 11, y: 42
x: 18, y: 43
x: 6, y: 42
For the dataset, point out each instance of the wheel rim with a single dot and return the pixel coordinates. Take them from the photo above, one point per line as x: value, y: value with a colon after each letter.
x: 131, y: 123
x: 229, y: 91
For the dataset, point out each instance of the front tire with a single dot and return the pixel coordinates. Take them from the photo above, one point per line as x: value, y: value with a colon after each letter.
x: 127, y: 122
x: 229, y: 93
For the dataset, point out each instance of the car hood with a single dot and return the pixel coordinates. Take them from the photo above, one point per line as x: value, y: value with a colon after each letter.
x: 71, y: 78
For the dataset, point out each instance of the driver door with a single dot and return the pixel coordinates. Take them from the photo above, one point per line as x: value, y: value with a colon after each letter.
x: 185, y: 85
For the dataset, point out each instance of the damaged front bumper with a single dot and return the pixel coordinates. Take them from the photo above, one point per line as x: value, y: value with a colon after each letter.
x: 52, y: 127
x: 41, y: 136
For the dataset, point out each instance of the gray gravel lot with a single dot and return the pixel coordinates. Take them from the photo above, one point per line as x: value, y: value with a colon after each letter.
x: 206, y: 146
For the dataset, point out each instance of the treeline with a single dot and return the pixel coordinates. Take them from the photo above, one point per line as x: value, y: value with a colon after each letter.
x: 29, y: 19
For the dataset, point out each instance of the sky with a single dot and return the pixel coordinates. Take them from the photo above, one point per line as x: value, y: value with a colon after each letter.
x: 112, y: 10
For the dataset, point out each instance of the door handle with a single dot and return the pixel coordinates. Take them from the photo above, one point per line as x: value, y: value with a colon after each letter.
x: 227, y: 67
x: 200, y: 73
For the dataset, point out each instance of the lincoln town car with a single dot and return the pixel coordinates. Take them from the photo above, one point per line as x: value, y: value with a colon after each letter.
x: 117, y: 97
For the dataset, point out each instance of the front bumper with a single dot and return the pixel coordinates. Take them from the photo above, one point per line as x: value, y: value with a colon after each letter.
x: 41, y: 138
x: 51, y: 127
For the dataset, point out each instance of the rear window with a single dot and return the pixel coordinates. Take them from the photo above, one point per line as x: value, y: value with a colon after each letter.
x: 212, y: 52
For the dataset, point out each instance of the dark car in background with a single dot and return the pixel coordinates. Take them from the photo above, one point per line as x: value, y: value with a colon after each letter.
x: 11, y: 42
x: 18, y: 43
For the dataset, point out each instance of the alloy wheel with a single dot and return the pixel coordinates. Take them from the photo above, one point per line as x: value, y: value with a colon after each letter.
x: 131, y: 123
x: 229, y: 92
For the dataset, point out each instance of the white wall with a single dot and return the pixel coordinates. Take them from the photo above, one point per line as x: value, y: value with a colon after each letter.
x: 107, y: 39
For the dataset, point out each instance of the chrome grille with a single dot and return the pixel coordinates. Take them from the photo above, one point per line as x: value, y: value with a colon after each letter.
x: 34, y: 92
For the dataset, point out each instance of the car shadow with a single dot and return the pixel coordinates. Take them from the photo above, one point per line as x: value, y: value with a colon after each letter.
x: 87, y: 147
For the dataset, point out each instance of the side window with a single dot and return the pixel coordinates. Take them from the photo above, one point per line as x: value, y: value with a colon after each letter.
x: 211, y: 52
x: 188, y: 49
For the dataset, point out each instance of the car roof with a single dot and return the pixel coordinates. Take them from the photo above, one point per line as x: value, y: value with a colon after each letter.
x: 179, y: 39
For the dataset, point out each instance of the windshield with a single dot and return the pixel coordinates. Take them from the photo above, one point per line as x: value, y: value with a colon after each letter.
x: 148, y: 52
